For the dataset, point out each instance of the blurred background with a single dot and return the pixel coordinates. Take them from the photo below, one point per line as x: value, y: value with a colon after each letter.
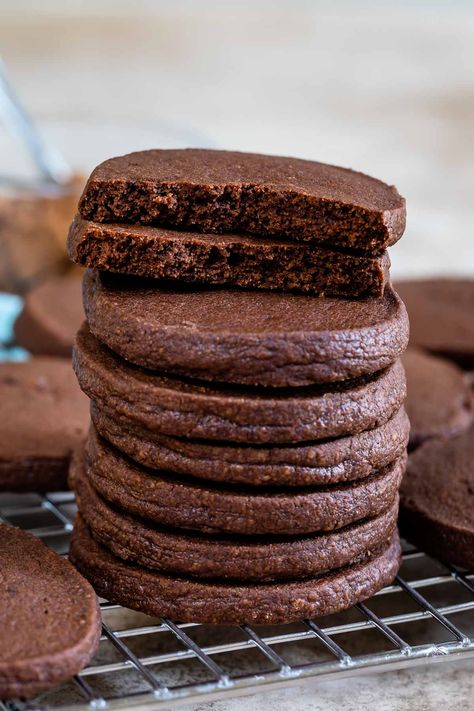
x: 386, y: 88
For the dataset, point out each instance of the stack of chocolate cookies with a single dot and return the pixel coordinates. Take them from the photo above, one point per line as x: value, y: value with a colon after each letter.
x: 241, y: 353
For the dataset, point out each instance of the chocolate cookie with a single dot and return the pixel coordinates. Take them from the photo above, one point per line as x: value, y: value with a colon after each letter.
x: 181, y: 407
x: 439, y: 401
x: 223, y: 191
x: 49, y: 616
x: 441, y: 316
x: 44, y: 416
x: 233, y: 260
x: 326, y: 462
x: 437, y: 498
x: 51, y: 315
x: 223, y: 603
x: 244, y: 337
x: 188, y: 503
x: 171, y: 550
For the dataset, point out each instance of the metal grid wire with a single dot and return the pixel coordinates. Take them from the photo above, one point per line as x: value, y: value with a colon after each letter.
x: 146, y: 663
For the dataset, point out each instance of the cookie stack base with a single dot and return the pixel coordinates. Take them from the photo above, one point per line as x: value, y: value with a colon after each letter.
x: 190, y: 600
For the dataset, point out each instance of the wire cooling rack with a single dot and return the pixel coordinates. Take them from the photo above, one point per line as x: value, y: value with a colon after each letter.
x: 147, y: 663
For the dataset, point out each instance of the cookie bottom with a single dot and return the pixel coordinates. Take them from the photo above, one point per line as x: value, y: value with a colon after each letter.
x: 190, y: 600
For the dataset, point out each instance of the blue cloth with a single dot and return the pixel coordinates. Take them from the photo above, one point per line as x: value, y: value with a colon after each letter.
x: 10, y: 307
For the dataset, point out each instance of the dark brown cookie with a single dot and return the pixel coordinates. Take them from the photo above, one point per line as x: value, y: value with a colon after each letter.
x: 232, y: 260
x: 326, y: 462
x: 439, y: 401
x: 188, y: 503
x: 219, y: 603
x: 437, y: 498
x: 51, y: 315
x: 180, y: 407
x: 49, y: 616
x: 43, y: 416
x: 441, y: 316
x: 261, y: 559
x: 244, y: 337
x: 223, y: 191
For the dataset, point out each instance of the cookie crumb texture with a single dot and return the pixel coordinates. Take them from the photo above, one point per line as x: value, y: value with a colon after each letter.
x: 49, y: 616
x: 223, y: 191
x: 232, y: 260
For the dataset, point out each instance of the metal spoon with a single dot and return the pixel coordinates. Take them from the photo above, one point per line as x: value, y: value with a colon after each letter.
x: 47, y: 158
